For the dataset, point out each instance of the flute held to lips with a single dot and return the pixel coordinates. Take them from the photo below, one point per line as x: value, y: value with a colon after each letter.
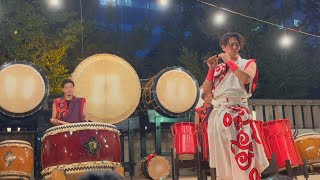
x: 211, y: 59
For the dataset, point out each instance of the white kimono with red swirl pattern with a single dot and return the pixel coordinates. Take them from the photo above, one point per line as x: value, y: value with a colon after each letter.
x: 235, y: 149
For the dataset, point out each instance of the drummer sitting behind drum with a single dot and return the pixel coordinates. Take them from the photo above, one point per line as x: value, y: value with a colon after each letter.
x: 202, y: 113
x: 68, y: 109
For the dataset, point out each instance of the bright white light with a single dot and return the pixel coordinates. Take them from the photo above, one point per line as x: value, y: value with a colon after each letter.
x: 55, y: 4
x: 164, y: 3
x: 219, y: 18
x: 9, y: 129
x: 18, y: 129
x: 15, y: 32
x: 286, y: 41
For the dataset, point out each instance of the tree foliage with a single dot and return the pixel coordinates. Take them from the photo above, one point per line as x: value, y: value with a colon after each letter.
x: 30, y: 33
x: 182, y: 35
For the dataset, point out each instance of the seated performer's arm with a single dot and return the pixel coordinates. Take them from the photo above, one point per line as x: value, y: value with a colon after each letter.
x: 85, y: 114
x: 54, y: 119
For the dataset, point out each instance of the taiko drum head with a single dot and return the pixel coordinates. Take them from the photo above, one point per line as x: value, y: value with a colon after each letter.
x: 157, y: 167
x: 308, y: 145
x: 24, y: 88
x: 176, y: 90
x: 110, y: 85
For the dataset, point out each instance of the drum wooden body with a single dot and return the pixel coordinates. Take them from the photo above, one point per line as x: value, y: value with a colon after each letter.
x: 24, y: 89
x: 16, y: 159
x: 154, y: 167
x: 173, y: 92
x: 110, y: 85
x: 309, y: 147
x: 185, y: 139
x: 281, y: 142
x: 80, y: 147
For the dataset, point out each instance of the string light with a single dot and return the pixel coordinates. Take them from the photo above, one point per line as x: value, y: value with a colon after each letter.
x: 164, y: 3
x: 219, y: 18
x: 266, y: 22
x: 286, y: 41
x: 55, y: 4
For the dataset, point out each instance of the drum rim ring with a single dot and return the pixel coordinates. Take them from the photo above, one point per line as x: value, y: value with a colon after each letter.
x: 17, y: 143
x: 68, y: 127
x: 85, y: 166
x: 308, y: 134
x: 275, y: 122
x: 13, y: 173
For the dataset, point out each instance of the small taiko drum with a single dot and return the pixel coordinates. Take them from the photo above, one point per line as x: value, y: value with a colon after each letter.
x: 24, y: 89
x: 16, y: 159
x: 173, y: 92
x: 185, y: 140
x: 203, y: 130
x: 308, y: 145
x: 80, y: 147
x: 281, y: 142
x: 154, y: 167
x: 259, y: 126
x: 110, y: 85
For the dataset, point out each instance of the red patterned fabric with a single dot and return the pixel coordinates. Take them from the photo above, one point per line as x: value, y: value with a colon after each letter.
x: 72, y: 114
x: 204, y: 112
x: 244, y: 144
x: 235, y: 148
x: 219, y: 73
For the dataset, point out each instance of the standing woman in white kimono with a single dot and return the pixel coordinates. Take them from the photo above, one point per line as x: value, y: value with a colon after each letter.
x: 235, y: 149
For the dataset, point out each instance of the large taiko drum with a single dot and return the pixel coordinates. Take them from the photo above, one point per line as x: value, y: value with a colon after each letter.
x: 185, y: 139
x: 281, y: 142
x: 259, y: 126
x: 80, y: 147
x: 16, y: 159
x: 308, y: 145
x: 154, y: 167
x: 24, y: 88
x: 110, y: 85
x: 173, y: 92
